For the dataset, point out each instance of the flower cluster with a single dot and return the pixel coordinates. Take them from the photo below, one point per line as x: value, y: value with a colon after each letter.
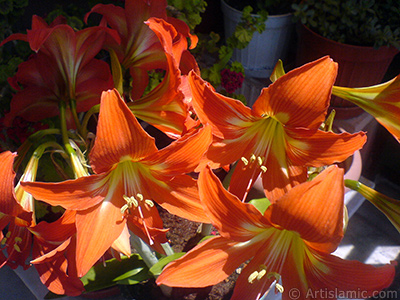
x: 231, y: 80
x: 102, y: 172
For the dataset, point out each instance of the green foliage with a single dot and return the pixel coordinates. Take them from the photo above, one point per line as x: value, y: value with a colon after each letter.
x: 355, y: 22
x: 130, y: 270
x: 273, y: 7
x: 261, y: 204
x: 157, y: 268
x: 188, y: 11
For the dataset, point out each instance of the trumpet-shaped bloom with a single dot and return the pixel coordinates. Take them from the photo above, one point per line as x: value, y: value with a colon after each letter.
x: 388, y: 206
x: 279, y: 137
x: 23, y: 235
x: 164, y: 107
x: 293, y: 241
x: 381, y: 101
x: 63, y: 69
x: 130, y: 173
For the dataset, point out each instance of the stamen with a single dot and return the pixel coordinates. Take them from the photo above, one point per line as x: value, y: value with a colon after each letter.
x: 3, y: 241
x: 261, y: 274
x: 277, y: 276
x: 252, y: 158
x: 8, y: 234
x: 253, y: 276
x: 140, y: 197
x: 244, y: 160
x: 259, y: 160
x: 18, y: 239
x: 17, y: 248
x: 263, y: 169
x: 149, y: 202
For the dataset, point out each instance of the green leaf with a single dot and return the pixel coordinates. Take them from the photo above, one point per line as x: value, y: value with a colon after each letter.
x: 261, y: 204
x: 102, y: 276
x: 158, y: 267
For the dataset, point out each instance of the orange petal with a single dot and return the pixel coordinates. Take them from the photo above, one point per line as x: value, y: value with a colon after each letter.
x: 320, y: 148
x: 234, y: 219
x: 207, y: 264
x: 314, y: 209
x: 301, y: 96
x: 78, y: 194
x: 228, y: 117
x: 183, y: 155
x: 179, y: 195
x: 278, y: 179
x: 8, y: 202
x: 352, y: 276
x: 119, y: 134
x: 97, y: 229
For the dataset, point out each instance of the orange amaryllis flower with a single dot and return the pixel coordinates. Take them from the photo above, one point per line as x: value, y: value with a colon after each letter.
x: 381, y: 101
x: 53, y: 254
x: 292, y: 241
x: 130, y: 172
x: 64, y: 69
x: 279, y: 137
x: 16, y: 240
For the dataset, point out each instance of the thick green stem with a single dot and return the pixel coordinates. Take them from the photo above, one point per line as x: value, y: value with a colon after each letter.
x: 86, y: 118
x: 148, y: 257
x: 75, y: 116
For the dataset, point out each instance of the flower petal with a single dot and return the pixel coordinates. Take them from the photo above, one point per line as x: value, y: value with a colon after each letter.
x: 314, y: 209
x: 300, y: 98
x: 207, y: 264
x: 354, y: 277
x: 228, y: 117
x: 8, y: 203
x: 179, y: 195
x: 119, y: 134
x: 320, y: 148
x: 97, y: 229
x: 234, y: 219
x: 78, y: 194
x: 182, y: 156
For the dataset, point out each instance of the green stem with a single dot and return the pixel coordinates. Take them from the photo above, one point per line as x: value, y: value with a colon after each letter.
x: 148, y: 257
x: 86, y: 118
x: 75, y: 116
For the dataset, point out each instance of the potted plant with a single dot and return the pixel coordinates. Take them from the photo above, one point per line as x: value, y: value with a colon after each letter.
x: 264, y: 29
x: 362, y: 36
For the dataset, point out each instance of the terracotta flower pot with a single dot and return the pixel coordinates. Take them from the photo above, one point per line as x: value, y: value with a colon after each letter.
x: 358, y: 66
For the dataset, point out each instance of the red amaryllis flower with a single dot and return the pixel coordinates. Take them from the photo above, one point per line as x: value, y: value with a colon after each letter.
x: 130, y: 173
x: 63, y: 70
x: 140, y: 50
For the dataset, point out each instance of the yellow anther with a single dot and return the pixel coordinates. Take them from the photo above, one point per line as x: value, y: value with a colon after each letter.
x: 17, y: 248
x: 279, y: 287
x: 261, y: 274
x: 18, y: 239
x: 244, y: 160
x: 277, y: 276
x: 140, y: 197
x: 259, y: 160
x: 253, y: 276
x: 130, y: 201
x: 252, y: 158
x: 3, y: 241
x: 263, y: 169
x: 8, y: 234
x: 149, y: 202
